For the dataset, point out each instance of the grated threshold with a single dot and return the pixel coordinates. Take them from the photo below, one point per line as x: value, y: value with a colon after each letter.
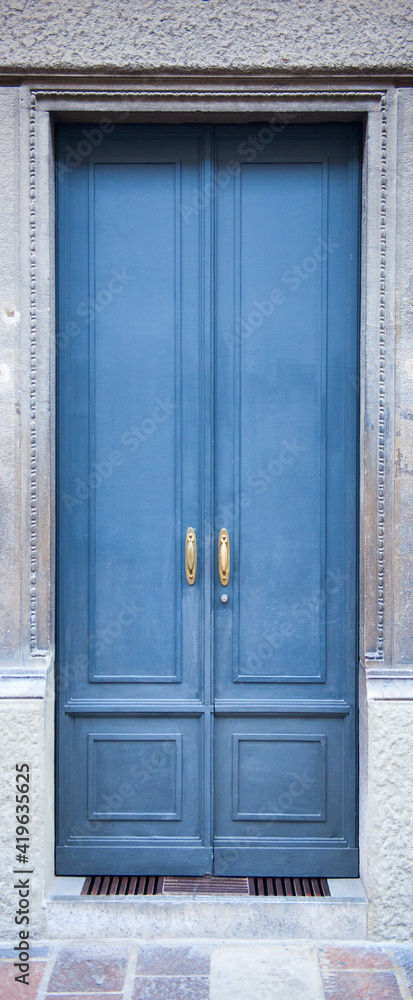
x: 206, y: 885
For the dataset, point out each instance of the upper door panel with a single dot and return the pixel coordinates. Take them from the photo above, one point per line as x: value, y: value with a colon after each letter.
x: 286, y: 415
x: 130, y: 475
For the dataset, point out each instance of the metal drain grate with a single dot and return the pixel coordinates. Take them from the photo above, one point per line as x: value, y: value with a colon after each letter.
x: 122, y: 885
x: 314, y: 887
x: 206, y: 885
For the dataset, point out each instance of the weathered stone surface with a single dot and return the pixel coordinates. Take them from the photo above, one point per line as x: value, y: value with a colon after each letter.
x: 10, y: 561
x: 390, y: 819
x: 403, y: 536
x: 171, y: 988
x: 10, y: 990
x: 369, y: 985
x: 287, y: 35
x: 272, y: 973
x: 22, y: 741
x: 344, y: 958
x: 156, y: 918
x: 89, y: 969
x: 158, y: 960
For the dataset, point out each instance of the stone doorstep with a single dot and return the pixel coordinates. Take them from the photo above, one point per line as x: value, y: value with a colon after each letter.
x: 342, y: 916
x: 70, y: 887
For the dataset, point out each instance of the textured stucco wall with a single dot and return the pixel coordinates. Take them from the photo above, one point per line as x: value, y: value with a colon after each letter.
x: 22, y: 740
x: 389, y: 864
x: 127, y: 34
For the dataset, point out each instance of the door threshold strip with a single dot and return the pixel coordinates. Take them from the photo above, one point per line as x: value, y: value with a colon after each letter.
x: 205, y: 885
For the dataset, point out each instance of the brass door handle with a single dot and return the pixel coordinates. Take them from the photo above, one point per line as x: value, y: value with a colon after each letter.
x: 223, y: 557
x: 190, y: 556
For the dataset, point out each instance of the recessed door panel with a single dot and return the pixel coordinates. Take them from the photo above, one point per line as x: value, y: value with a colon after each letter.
x: 134, y: 399
x: 280, y: 789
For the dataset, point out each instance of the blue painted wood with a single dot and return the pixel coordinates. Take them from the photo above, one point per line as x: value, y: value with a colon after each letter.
x: 286, y: 472
x: 131, y: 327
x: 180, y: 245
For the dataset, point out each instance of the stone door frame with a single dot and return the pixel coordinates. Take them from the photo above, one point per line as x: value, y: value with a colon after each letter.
x: 180, y: 99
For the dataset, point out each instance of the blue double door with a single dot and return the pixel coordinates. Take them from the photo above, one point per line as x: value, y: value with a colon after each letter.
x: 207, y: 471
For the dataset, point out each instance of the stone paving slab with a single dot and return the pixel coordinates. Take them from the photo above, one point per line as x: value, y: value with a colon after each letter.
x: 173, y: 961
x: 361, y: 985
x: 211, y: 970
x: 89, y: 969
x: 340, y: 958
x: 404, y: 957
x: 171, y: 988
x: 358, y: 974
x: 10, y: 990
x: 270, y: 972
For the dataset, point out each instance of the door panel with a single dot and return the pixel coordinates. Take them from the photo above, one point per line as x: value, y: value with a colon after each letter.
x: 286, y: 446
x: 135, y: 395
x: 142, y: 776
x: 132, y: 709
x: 274, y: 420
x: 179, y: 245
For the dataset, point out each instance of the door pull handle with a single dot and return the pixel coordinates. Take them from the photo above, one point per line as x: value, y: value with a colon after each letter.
x: 223, y: 557
x: 190, y: 556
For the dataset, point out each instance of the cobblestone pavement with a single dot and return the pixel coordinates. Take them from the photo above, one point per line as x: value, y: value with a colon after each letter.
x: 211, y: 970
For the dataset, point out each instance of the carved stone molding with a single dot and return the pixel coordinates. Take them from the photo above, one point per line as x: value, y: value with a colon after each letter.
x: 187, y: 100
x: 382, y: 387
x: 33, y: 358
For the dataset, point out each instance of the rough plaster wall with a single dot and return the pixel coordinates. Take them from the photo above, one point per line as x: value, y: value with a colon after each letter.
x: 288, y: 34
x: 22, y: 740
x: 403, y: 563
x: 9, y: 383
x: 390, y: 820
